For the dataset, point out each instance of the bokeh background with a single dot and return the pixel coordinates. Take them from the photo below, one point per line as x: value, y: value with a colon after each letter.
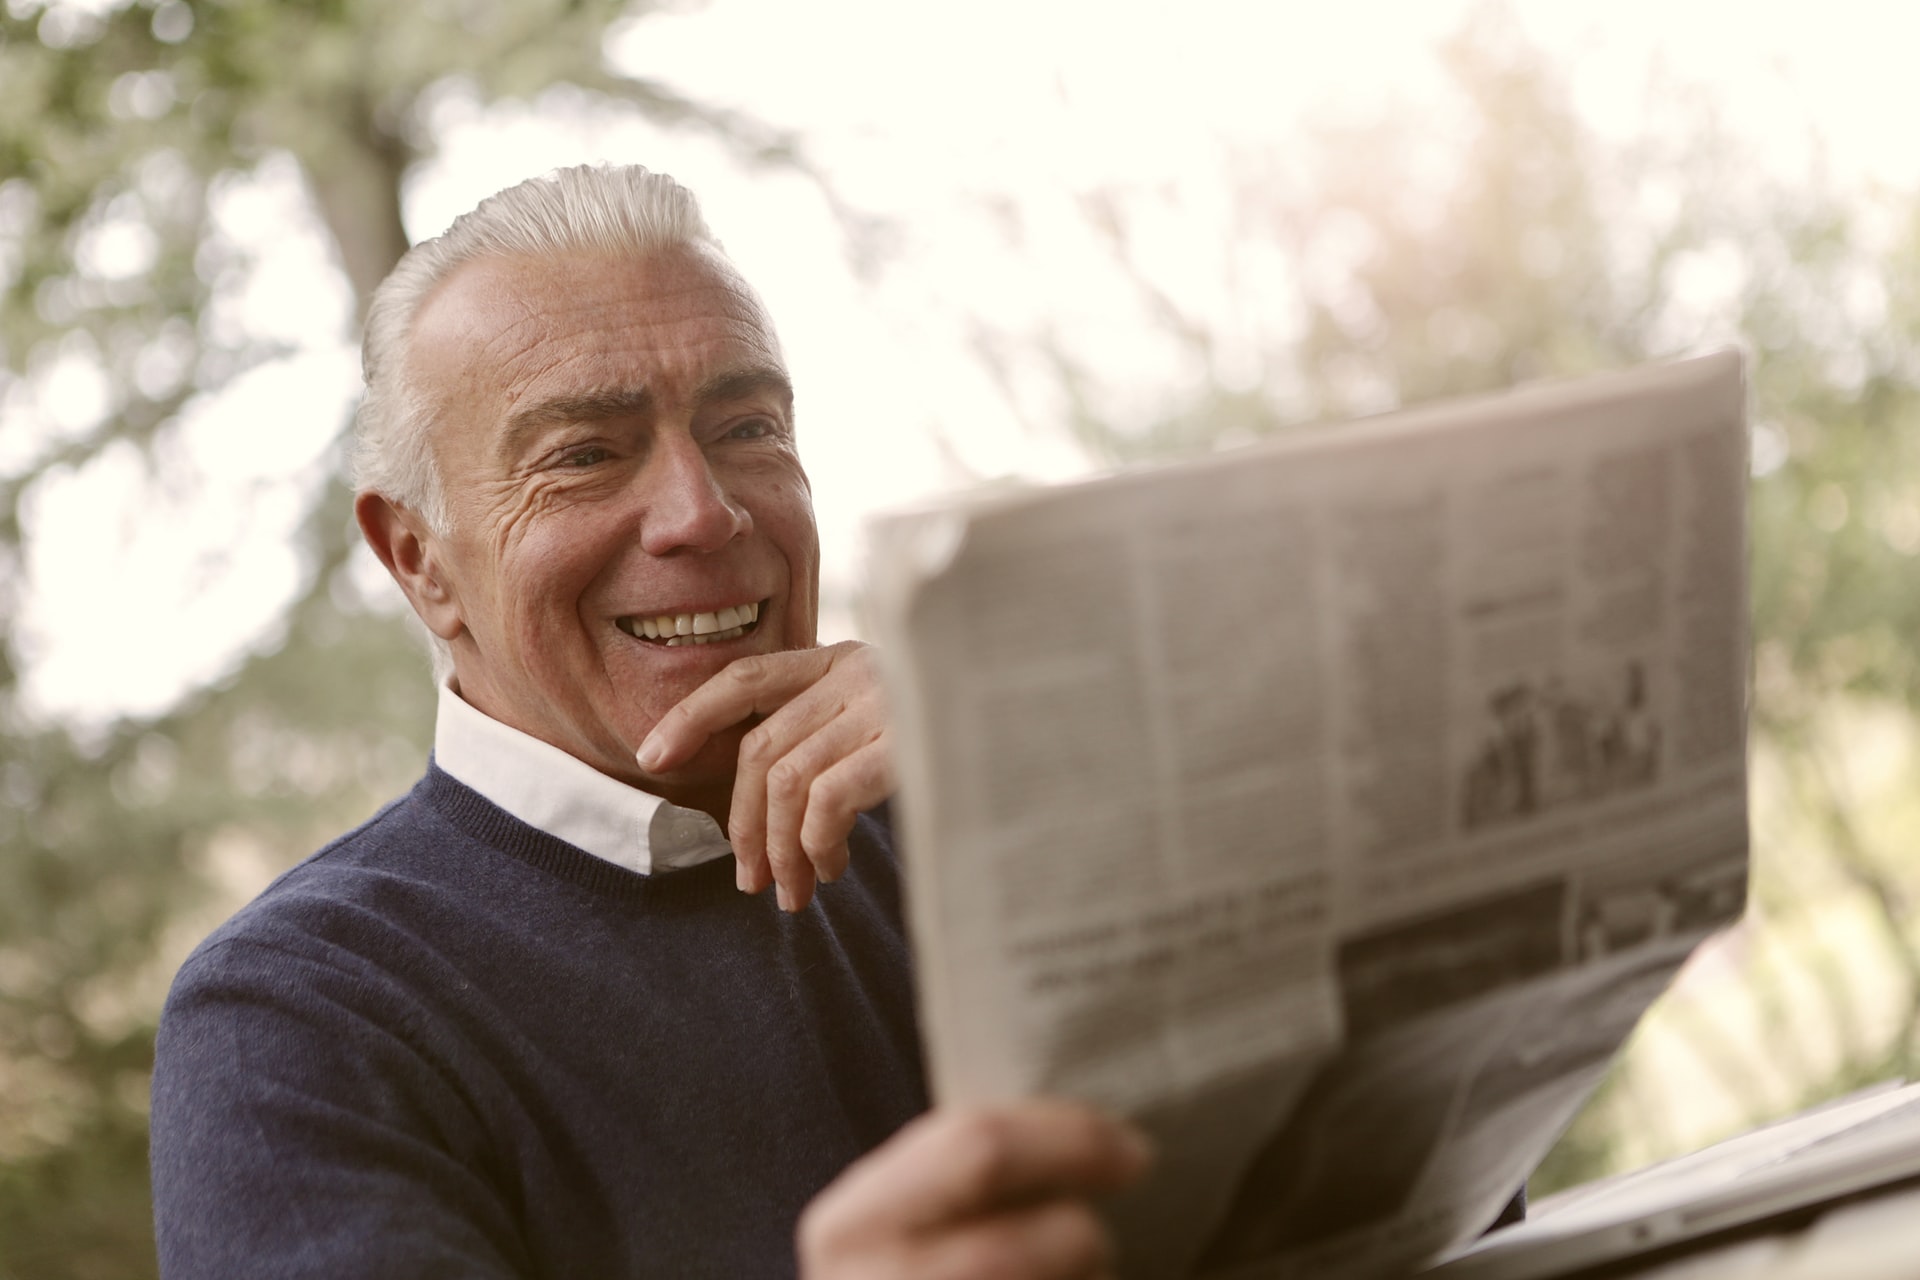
x: 1008, y: 241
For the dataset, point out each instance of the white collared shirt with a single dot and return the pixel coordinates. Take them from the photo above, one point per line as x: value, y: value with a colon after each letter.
x: 567, y: 798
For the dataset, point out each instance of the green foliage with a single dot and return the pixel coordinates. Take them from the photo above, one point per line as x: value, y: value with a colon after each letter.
x: 1425, y: 270
x: 1432, y: 269
x: 120, y: 125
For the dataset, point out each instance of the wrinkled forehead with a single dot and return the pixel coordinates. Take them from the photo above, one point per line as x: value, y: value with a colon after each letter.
x: 501, y: 329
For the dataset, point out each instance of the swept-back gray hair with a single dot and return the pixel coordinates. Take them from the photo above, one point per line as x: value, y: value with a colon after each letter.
x: 609, y: 209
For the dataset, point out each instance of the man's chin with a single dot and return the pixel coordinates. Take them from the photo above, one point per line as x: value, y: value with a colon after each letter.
x: 704, y: 782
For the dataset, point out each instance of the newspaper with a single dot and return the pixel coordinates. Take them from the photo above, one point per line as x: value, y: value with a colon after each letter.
x: 1334, y: 806
x: 1769, y: 1182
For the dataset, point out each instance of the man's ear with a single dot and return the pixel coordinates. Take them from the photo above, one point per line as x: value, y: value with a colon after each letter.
x: 401, y: 540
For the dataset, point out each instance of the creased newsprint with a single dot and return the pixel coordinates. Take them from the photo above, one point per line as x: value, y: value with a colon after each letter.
x: 1335, y: 806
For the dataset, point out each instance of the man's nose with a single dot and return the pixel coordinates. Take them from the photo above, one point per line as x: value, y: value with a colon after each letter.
x: 687, y: 505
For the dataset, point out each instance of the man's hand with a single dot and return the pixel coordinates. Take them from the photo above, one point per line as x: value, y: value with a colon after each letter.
x: 821, y: 755
x: 999, y: 1194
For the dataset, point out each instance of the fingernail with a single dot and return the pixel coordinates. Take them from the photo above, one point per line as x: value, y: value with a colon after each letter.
x: 648, y: 756
x: 741, y: 881
x: 784, y: 898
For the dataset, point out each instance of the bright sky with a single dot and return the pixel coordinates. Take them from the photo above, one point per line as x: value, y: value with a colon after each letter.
x: 944, y: 123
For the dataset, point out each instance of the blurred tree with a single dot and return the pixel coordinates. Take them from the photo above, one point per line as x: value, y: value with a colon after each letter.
x: 126, y: 119
x: 1451, y: 247
x: 1417, y: 267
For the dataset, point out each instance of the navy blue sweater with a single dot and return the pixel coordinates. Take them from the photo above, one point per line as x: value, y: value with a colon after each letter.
x: 451, y: 1045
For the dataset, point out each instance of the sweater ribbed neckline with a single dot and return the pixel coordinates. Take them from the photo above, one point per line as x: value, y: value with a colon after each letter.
x: 479, y: 818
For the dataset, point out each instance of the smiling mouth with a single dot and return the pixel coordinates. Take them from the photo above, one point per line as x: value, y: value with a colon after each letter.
x: 676, y: 629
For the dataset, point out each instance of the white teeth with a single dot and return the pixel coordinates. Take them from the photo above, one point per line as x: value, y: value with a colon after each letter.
x: 695, y: 628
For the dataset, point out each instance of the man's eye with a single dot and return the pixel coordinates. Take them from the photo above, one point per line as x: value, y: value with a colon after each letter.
x: 752, y: 429
x: 584, y: 456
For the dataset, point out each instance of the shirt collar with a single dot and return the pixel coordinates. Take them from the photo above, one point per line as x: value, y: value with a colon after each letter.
x: 567, y: 798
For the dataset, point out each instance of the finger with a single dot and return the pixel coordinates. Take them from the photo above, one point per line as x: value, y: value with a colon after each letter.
x: 778, y: 760
x: 782, y: 762
x: 830, y: 864
x: 757, y: 685
x: 950, y: 1165
x: 838, y: 796
x: 1053, y: 1240
x: 820, y: 783
x: 747, y: 819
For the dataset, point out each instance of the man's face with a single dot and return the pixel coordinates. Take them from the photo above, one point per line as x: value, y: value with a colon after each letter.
x: 615, y: 438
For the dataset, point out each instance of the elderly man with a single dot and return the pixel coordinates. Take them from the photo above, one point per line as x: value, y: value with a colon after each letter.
x: 538, y: 1017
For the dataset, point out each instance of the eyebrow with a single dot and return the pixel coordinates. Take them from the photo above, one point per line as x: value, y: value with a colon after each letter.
x: 591, y: 406
x: 625, y: 402
x: 737, y: 384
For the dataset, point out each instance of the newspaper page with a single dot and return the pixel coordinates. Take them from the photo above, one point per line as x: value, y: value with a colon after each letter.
x: 1781, y: 1175
x: 1334, y: 806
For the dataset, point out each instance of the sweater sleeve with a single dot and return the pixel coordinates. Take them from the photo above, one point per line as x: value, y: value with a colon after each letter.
x: 299, y: 1130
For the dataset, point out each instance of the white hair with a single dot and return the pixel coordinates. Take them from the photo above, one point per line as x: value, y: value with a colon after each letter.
x: 616, y: 210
